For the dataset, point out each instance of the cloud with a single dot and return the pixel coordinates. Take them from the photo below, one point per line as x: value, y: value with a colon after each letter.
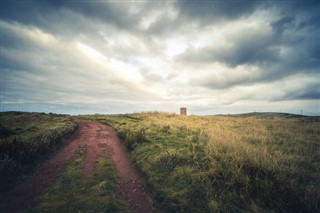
x: 275, y: 45
x: 132, y: 56
x: 41, y: 13
x: 236, y: 44
x: 207, y: 12
x: 58, y: 71
x: 283, y: 24
x: 299, y: 87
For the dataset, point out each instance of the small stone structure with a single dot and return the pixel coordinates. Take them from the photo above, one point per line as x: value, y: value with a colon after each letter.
x: 183, y: 111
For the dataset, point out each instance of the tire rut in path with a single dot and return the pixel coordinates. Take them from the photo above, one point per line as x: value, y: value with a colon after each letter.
x: 97, y: 137
x: 132, y: 189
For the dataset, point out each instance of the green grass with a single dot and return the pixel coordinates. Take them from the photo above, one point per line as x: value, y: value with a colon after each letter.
x: 26, y: 139
x: 72, y: 192
x: 225, y: 164
x: 245, y: 163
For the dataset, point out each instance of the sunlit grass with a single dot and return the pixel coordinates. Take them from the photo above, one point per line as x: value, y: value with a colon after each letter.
x: 225, y: 164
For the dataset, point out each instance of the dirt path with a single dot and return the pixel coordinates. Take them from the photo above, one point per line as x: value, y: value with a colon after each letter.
x: 97, y: 137
x: 132, y: 190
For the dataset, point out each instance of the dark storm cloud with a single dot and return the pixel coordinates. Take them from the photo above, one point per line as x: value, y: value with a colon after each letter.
x: 42, y: 14
x: 38, y: 12
x: 102, y: 11
x: 313, y: 21
x: 309, y: 94
x: 295, y: 6
x: 28, y: 12
x: 290, y: 47
x: 212, y: 11
x: 251, y: 47
x: 310, y: 91
x: 67, y: 17
x: 14, y: 37
x: 12, y: 64
x: 247, y: 48
x: 282, y: 24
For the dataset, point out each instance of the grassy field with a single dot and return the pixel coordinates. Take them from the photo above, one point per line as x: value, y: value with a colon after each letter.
x: 72, y: 192
x: 252, y: 163
x: 259, y: 162
x: 26, y: 139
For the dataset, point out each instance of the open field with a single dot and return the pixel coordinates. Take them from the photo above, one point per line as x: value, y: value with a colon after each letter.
x: 260, y: 163
x: 90, y: 173
x: 26, y: 139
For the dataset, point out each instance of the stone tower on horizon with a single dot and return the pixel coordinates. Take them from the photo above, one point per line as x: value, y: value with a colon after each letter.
x: 183, y: 111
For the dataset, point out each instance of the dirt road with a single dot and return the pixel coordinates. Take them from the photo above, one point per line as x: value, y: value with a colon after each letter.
x: 97, y: 137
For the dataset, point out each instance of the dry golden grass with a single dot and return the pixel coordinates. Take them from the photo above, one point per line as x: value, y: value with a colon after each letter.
x: 226, y: 163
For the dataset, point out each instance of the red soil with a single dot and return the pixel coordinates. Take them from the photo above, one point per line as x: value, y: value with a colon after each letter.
x: 97, y: 137
x: 132, y: 189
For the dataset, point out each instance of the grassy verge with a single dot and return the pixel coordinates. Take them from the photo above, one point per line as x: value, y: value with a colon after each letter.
x: 225, y: 164
x: 26, y: 139
x: 72, y: 192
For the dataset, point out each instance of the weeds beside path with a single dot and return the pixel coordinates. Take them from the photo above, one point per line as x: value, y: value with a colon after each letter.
x: 97, y: 138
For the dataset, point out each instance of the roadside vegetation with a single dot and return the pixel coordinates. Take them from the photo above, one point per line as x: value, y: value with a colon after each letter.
x: 250, y: 163
x: 73, y: 192
x: 26, y: 139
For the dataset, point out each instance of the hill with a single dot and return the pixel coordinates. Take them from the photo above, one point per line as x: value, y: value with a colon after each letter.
x: 270, y: 115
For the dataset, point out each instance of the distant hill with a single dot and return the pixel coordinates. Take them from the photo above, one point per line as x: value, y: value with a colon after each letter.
x: 271, y: 115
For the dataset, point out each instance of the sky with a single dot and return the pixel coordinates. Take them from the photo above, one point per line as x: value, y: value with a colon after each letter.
x: 213, y: 57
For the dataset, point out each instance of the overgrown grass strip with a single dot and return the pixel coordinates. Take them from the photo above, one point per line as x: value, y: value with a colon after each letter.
x: 72, y: 192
